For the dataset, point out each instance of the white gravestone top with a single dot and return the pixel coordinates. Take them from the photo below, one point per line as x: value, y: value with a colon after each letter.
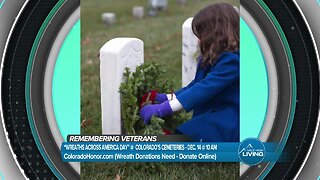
x: 108, y: 18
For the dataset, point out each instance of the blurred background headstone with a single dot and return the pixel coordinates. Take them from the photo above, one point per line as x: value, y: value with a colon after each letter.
x: 158, y: 4
x: 153, y: 12
x: 138, y: 12
x: 109, y: 19
x: 236, y: 8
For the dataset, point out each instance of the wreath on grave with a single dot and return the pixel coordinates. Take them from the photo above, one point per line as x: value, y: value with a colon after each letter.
x: 148, y: 76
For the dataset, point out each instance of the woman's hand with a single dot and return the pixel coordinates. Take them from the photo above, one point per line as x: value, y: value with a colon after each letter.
x: 158, y: 110
x: 153, y: 96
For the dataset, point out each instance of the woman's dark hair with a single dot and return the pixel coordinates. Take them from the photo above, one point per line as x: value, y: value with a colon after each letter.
x: 217, y: 27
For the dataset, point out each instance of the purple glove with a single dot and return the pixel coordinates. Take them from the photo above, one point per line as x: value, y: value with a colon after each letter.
x: 158, y: 110
x: 160, y: 98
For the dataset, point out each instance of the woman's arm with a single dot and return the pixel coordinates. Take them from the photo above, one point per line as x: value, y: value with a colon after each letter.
x: 225, y: 72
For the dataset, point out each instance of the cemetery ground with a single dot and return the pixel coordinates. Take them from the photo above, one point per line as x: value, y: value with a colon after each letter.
x: 162, y: 44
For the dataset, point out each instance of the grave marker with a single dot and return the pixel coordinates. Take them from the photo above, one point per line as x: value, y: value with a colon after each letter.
x: 115, y: 56
x: 138, y: 12
x: 189, y: 52
x: 158, y: 4
x: 108, y: 18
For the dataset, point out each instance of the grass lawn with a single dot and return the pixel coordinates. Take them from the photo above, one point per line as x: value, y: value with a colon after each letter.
x: 162, y: 43
x: 172, y: 171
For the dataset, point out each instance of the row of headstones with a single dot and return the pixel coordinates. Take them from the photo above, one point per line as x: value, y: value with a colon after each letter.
x: 139, y: 12
x: 119, y: 53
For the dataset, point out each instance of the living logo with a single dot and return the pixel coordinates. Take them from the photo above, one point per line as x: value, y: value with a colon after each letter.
x: 251, y: 151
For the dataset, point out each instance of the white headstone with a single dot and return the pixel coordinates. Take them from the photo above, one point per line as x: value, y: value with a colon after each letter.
x: 189, y: 52
x: 108, y: 18
x: 236, y: 8
x: 138, y: 12
x: 158, y: 4
x: 115, y: 56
